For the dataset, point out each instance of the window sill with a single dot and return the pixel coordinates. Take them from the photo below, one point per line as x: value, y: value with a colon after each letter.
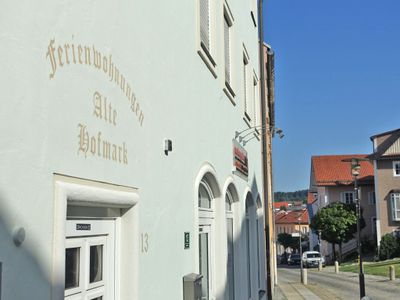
x: 230, y: 93
x: 208, y: 60
x: 247, y: 119
x: 254, y: 19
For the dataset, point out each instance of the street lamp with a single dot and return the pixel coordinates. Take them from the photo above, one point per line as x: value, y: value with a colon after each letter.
x: 301, y: 252
x: 355, y: 172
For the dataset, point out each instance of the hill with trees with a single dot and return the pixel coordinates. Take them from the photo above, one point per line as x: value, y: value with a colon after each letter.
x: 300, y: 195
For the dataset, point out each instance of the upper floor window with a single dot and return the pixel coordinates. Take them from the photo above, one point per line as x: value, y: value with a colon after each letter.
x: 228, y: 23
x: 246, y: 87
x: 253, y: 12
x: 206, y: 38
x: 347, y: 197
x: 395, y: 203
x: 371, y: 198
x: 255, y: 100
x: 396, y: 168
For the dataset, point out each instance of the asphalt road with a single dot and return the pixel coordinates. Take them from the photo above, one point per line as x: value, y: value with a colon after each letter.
x: 328, y: 285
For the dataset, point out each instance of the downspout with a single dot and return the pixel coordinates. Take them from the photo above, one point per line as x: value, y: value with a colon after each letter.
x: 267, y: 216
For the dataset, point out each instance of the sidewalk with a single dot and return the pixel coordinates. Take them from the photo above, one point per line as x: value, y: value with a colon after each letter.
x: 294, y: 291
x: 314, y: 290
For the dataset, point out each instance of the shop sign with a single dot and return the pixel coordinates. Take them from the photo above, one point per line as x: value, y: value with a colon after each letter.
x: 240, y: 161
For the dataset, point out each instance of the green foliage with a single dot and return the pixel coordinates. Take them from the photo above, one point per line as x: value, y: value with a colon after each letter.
x: 389, y: 247
x: 291, y: 196
x: 337, y: 222
x: 283, y: 207
x: 288, y: 241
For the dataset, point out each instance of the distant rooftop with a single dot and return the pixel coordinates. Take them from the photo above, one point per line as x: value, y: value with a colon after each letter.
x: 292, y: 217
x: 331, y: 170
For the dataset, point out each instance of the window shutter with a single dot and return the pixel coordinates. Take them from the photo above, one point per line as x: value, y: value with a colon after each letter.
x: 205, y: 23
x: 245, y: 84
x: 227, y: 51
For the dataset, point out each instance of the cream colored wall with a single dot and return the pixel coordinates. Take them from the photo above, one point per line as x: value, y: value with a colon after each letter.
x: 369, y: 210
x: 46, y: 113
x: 386, y: 182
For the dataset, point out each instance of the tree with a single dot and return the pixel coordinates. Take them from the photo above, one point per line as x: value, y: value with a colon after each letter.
x: 286, y: 240
x: 337, y: 222
x: 283, y: 207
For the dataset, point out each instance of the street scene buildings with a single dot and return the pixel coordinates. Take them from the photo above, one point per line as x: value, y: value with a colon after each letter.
x: 132, y: 161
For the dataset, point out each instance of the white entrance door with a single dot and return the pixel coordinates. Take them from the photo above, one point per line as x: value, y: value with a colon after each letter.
x: 90, y: 260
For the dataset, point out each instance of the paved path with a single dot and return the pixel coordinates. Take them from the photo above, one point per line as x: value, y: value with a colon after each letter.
x: 328, y: 285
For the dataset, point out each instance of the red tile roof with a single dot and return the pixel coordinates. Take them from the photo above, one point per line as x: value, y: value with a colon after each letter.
x: 291, y: 217
x: 278, y: 205
x: 331, y: 170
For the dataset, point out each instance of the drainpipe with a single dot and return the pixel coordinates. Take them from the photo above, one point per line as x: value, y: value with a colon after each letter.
x: 264, y: 158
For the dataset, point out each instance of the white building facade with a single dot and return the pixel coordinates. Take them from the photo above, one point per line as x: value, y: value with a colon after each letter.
x: 120, y: 169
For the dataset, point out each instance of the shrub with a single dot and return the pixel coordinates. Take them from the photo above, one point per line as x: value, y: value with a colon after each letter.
x: 368, y: 246
x: 389, y: 247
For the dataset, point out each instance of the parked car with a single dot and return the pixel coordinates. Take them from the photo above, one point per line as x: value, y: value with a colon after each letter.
x: 294, y: 259
x: 312, y: 258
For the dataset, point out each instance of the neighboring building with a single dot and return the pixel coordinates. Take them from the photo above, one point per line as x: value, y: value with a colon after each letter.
x: 293, y: 221
x: 331, y: 181
x: 269, y: 63
x: 120, y: 171
x: 386, y: 158
x: 281, y: 204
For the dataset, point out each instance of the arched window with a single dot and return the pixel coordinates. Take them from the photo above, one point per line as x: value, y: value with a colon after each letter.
x: 205, y: 195
x: 208, y: 191
x: 230, y: 197
x: 249, y: 216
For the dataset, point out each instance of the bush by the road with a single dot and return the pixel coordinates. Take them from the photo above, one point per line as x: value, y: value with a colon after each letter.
x: 389, y: 247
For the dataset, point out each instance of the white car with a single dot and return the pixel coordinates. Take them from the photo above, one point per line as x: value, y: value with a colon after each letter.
x: 312, y: 258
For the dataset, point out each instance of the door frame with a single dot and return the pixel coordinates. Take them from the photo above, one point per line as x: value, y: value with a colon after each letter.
x: 73, y: 191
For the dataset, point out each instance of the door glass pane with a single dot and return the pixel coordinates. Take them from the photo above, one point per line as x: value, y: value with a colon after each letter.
x: 96, y: 263
x: 204, y: 265
x: 230, y: 266
x: 248, y: 258
x: 72, y: 267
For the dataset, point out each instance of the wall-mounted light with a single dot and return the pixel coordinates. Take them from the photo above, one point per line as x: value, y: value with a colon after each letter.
x: 167, y: 146
x: 241, y: 135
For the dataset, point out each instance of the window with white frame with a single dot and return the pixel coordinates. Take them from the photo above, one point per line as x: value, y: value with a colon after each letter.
x: 255, y: 100
x: 229, y: 200
x: 395, y: 205
x: 253, y: 12
x: 248, y: 241
x: 371, y: 198
x: 206, y: 198
x: 206, y: 36
x: 347, y: 197
x: 228, y: 23
x: 396, y: 168
x: 246, y: 84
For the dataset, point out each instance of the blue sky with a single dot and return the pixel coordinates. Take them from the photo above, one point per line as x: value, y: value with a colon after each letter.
x: 337, y: 70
